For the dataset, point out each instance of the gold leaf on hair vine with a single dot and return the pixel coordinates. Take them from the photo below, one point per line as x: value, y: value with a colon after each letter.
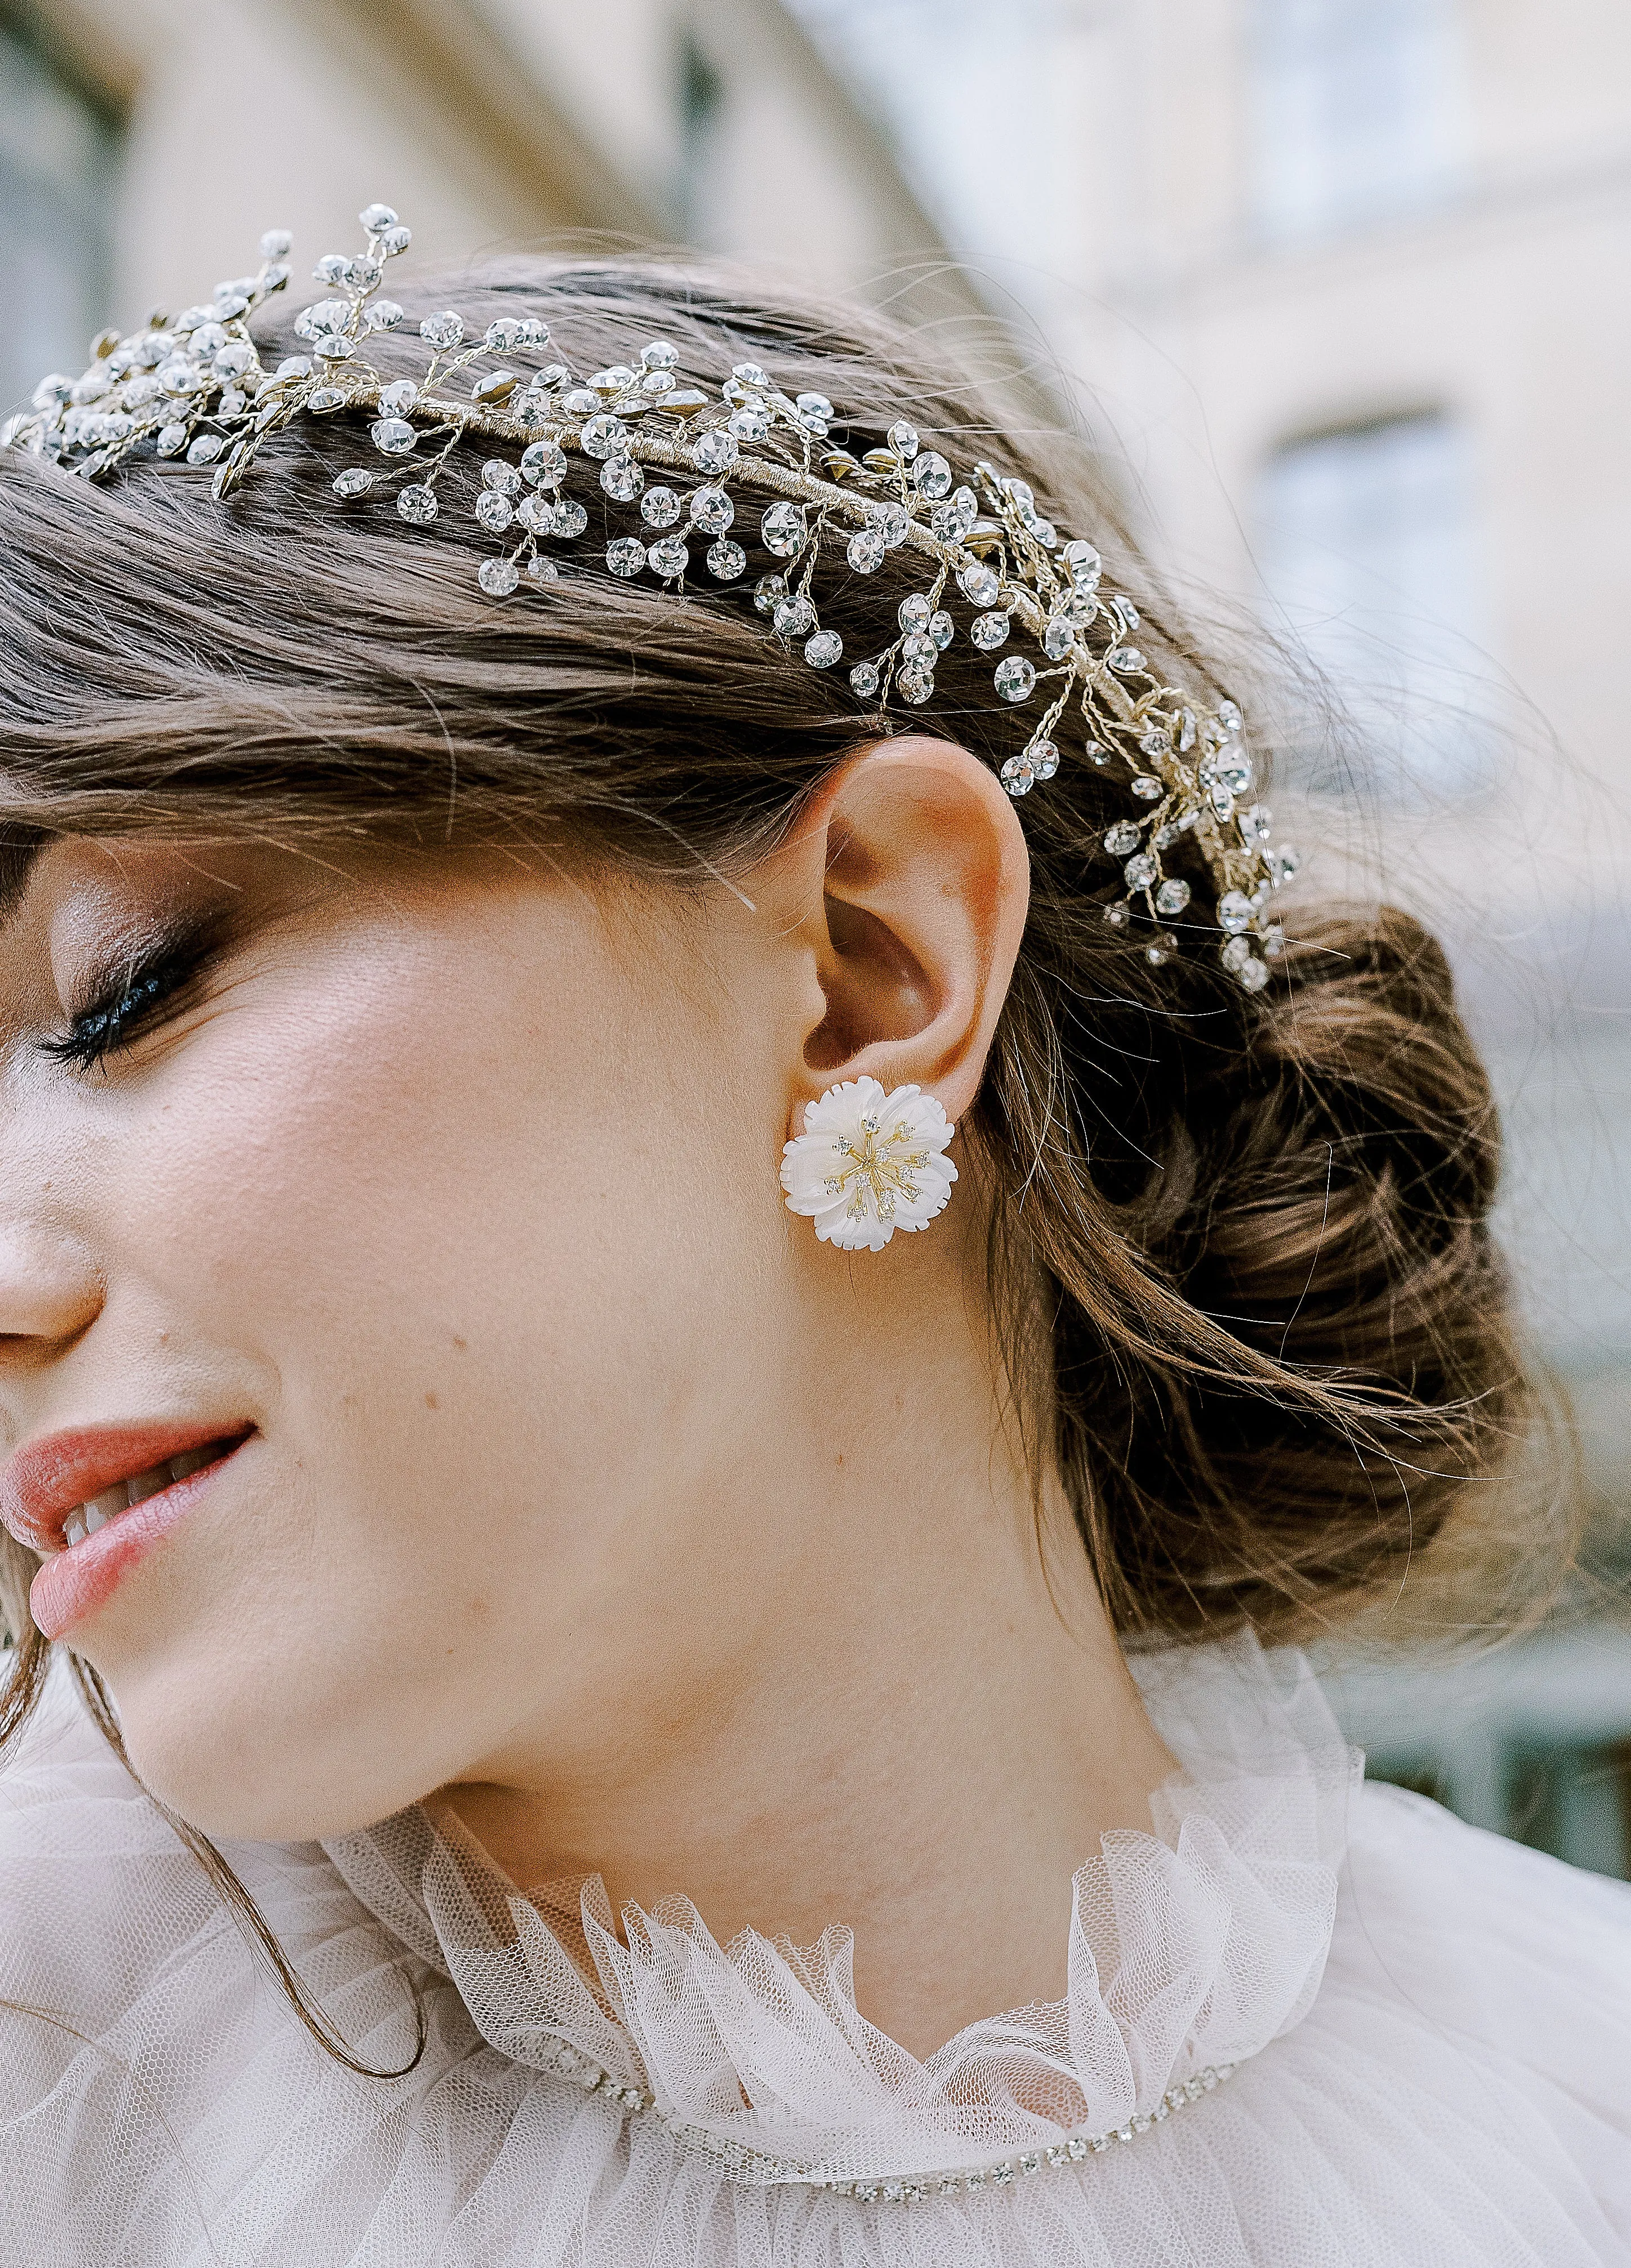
x: 683, y: 456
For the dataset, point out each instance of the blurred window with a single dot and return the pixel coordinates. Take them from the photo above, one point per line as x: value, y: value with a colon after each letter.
x: 702, y: 101
x: 1355, y: 110
x: 58, y: 150
x: 1367, y: 543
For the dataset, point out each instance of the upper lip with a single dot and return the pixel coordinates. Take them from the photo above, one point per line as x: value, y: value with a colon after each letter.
x: 47, y: 1480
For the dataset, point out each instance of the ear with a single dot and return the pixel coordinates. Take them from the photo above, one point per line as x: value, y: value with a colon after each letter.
x: 906, y: 884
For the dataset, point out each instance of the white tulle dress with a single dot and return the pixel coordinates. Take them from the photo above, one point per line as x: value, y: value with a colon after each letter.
x: 1430, y: 2032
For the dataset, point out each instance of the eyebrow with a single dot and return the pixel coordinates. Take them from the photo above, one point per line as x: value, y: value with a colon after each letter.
x: 17, y: 862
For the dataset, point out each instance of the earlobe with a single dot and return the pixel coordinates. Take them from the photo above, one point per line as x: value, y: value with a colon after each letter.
x: 914, y: 885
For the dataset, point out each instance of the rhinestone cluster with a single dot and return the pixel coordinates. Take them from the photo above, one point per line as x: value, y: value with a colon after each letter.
x: 757, y: 2168
x: 684, y: 458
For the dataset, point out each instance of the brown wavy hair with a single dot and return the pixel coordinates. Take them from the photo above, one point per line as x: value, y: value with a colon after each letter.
x: 1255, y: 1311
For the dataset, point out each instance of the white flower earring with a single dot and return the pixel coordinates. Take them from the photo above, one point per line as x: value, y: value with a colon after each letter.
x: 869, y: 1163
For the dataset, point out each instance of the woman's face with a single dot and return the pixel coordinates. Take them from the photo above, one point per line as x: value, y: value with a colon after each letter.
x: 432, y: 1210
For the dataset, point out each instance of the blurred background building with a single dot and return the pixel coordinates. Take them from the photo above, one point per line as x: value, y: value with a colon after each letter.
x: 1339, y: 287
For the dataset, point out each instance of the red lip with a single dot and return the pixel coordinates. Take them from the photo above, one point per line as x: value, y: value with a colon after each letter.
x: 50, y: 1479
x: 46, y: 1481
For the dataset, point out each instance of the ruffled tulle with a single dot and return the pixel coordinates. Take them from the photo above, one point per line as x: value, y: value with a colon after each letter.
x: 1432, y: 2030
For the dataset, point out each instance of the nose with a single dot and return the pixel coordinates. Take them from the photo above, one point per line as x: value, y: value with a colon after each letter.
x: 50, y: 1290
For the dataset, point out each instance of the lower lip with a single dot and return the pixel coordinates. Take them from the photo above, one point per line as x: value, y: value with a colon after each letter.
x: 73, y: 1584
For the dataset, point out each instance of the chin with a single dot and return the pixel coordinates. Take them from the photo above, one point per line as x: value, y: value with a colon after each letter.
x: 247, y: 1753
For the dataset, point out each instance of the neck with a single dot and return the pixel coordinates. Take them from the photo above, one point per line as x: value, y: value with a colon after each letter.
x: 920, y: 1723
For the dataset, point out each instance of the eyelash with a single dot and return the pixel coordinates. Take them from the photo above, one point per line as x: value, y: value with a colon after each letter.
x: 124, y: 1005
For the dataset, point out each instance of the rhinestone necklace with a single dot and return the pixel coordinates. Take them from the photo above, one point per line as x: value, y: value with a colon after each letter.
x: 759, y: 2170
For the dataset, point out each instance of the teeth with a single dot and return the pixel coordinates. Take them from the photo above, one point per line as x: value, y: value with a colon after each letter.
x: 123, y: 1494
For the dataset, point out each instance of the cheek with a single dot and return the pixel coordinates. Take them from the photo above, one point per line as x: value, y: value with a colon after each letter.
x: 465, y: 1212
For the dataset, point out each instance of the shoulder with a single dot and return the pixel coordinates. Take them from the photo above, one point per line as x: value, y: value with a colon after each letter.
x: 1509, y: 1971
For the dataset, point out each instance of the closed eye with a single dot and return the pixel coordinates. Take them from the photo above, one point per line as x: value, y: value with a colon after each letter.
x: 130, y: 1001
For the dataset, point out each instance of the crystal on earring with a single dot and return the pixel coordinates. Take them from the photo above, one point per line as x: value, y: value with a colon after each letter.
x: 354, y: 482
x: 416, y: 503
x: 494, y: 512
x: 794, y: 616
x: 711, y: 510
x: 990, y: 630
x: 502, y: 478
x: 622, y: 479
x: 725, y: 560
x: 659, y: 507
x: 864, y: 679
x: 498, y: 577
x: 783, y: 530
x: 1140, y: 871
x: 626, y: 555
x: 866, y: 551
x: 1015, y: 678
x: 670, y: 557
x: 714, y: 452
x: 824, y: 649
x: 1121, y: 838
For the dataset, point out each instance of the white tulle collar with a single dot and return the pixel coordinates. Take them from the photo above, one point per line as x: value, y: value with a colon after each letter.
x: 1190, y: 1947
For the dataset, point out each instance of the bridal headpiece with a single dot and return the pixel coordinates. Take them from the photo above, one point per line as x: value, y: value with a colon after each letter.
x: 684, y: 460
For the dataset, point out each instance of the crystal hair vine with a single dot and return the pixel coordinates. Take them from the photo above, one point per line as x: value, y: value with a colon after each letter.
x: 193, y: 387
